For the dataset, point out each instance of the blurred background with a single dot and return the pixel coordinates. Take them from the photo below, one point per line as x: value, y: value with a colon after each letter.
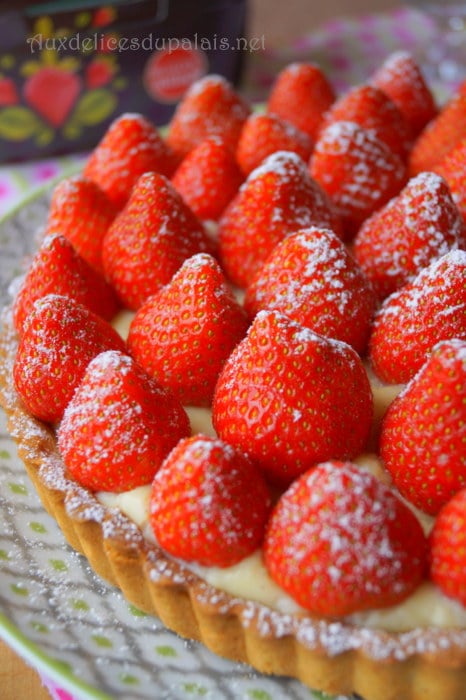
x: 282, y: 21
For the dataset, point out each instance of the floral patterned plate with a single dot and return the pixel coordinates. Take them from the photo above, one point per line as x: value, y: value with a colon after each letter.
x: 62, y: 618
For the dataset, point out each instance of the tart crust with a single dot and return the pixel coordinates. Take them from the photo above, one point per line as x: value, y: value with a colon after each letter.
x: 328, y: 655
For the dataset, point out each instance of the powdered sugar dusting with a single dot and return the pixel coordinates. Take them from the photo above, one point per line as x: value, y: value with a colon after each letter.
x: 208, y: 503
x: 373, y: 172
x: 311, y: 277
x: 341, y: 526
x: 418, y: 226
x: 283, y: 164
x: 429, y: 288
x: 124, y: 414
x: 400, y: 73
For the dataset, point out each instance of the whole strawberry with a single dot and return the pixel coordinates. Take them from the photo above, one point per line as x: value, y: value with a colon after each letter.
x: 311, y: 278
x: 183, y: 334
x: 264, y: 134
x: 277, y: 199
x: 401, y: 78
x: 150, y: 239
x: 453, y: 169
x: 209, y: 503
x: 81, y: 211
x: 59, y: 340
x: 301, y: 94
x: 448, y: 548
x: 411, y: 321
x: 340, y: 541
x: 289, y: 397
x: 375, y: 112
x: 415, y: 228
x: 357, y: 171
x: 130, y: 147
x: 440, y: 135
x: 58, y: 269
x: 424, y: 430
x: 208, y: 178
x: 210, y: 107
x: 119, y: 425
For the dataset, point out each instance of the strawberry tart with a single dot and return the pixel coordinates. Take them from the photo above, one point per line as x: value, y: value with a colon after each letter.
x: 235, y: 370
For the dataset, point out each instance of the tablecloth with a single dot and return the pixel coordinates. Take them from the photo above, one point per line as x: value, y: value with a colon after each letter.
x: 348, y: 50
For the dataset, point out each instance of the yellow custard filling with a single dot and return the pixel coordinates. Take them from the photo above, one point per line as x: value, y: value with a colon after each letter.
x: 249, y: 579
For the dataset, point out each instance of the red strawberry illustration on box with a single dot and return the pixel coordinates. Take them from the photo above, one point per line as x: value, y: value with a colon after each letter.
x: 52, y: 92
x: 99, y: 72
x: 62, y: 92
x: 8, y: 92
x: 103, y: 16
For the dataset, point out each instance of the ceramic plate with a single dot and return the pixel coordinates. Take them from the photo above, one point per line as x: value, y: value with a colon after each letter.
x: 66, y: 621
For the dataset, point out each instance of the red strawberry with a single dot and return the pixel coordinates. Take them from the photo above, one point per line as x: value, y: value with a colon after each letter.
x: 301, y: 94
x: 8, y: 92
x: 183, y: 335
x: 99, y: 72
x: 150, y: 239
x: 375, y: 112
x: 424, y: 430
x: 208, y: 178
x: 209, y: 503
x: 130, y: 147
x: 117, y: 404
x: 288, y: 398
x: 448, y: 548
x: 418, y: 226
x: 277, y: 199
x: 401, y: 78
x: 52, y: 92
x: 440, y: 136
x: 82, y: 212
x: 103, y: 16
x: 210, y: 107
x: 357, y: 171
x: 453, y: 169
x: 58, y: 269
x: 411, y: 321
x: 311, y: 278
x: 59, y: 340
x: 264, y: 134
x: 340, y: 541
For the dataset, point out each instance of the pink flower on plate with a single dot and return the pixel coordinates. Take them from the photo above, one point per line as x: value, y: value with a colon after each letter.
x: 56, y: 693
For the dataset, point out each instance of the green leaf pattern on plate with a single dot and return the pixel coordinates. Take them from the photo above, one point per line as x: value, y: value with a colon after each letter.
x: 18, y: 489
